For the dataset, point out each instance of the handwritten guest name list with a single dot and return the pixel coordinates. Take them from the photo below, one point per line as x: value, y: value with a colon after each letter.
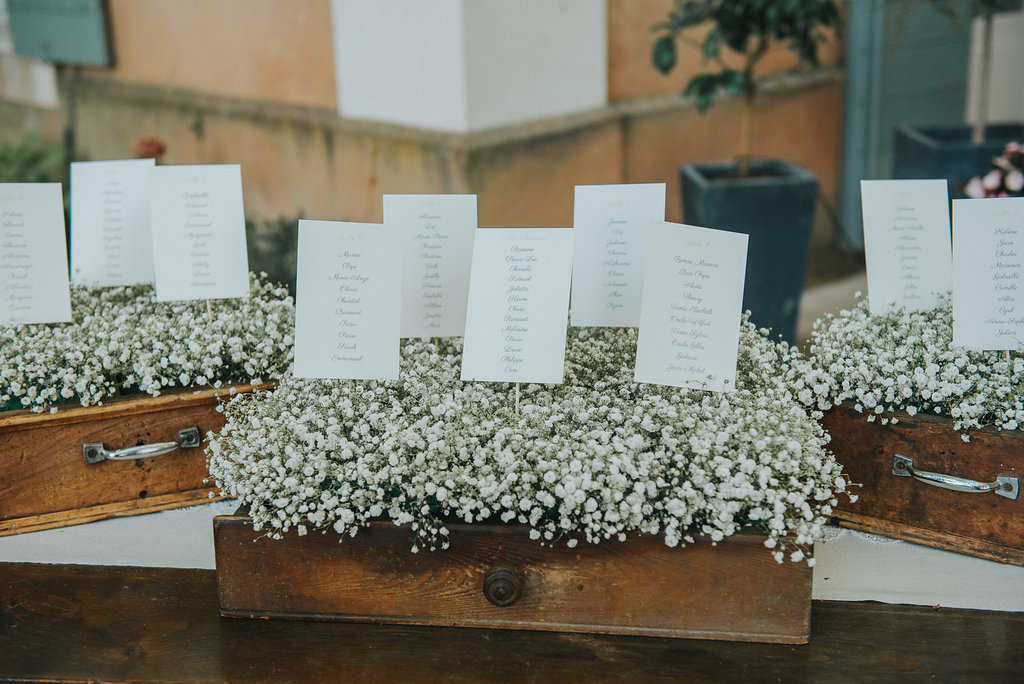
x: 518, y: 305
x: 692, y: 307
x: 33, y: 255
x: 198, y: 227
x: 988, y: 273
x: 347, y: 301
x: 611, y: 223
x: 906, y: 242
x: 111, y: 241
x: 437, y: 249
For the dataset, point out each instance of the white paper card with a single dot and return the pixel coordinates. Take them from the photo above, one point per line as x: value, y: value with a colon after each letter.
x: 111, y: 241
x: 198, y: 232
x: 437, y: 250
x: 906, y: 243
x: 692, y: 307
x: 33, y: 255
x: 518, y: 305
x: 988, y: 273
x: 347, y: 300
x: 611, y: 223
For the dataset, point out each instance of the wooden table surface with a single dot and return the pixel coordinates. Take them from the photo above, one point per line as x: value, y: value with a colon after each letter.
x: 112, y: 624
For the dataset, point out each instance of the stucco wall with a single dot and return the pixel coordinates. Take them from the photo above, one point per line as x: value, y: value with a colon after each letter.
x: 275, y: 50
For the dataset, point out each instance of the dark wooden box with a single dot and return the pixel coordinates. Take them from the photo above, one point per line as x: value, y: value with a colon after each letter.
x: 46, y: 481
x: 986, y: 524
x: 733, y: 591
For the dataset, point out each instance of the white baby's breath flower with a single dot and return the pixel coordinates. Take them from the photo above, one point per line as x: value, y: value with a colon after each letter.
x: 906, y: 361
x: 596, y: 458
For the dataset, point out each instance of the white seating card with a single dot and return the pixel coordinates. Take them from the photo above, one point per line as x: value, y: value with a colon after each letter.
x: 198, y: 232
x: 437, y: 249
x: 906, y: 242
x: 611, y: 223
x: 33, y: 255
x: 347, y: 300
x: 692, y: 307
x: 518, y: 305
x: 111, y: 241
x: 988, y: 273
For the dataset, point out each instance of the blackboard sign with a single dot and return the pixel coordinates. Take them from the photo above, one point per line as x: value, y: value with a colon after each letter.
x: 63, y: 31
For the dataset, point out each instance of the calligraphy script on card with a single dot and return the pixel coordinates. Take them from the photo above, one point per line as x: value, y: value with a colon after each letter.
x: 988, y: 269
x: 33, y: 256
x: 518, y: 305
x: 612, y: 222
x: 111, y: 241
x: 906, y: 242
x: 199, y: 248
x: 690, y: 320
x: 348, y: 296
x: 437, y: 248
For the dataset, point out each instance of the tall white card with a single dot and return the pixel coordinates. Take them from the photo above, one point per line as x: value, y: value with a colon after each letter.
x: 518, y: 305
x: 198, y: 232
x: 437, y: 250
x: 692, y: 307
x: 111, y: 241
x: 612, y: 222
x: 988, y: 273
x: 33, y: 255
x: 347, y: 300
x: 906, y: 242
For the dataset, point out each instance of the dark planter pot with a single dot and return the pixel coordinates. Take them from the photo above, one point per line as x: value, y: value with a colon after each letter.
x: 775, y: 208
x: 947, y: 152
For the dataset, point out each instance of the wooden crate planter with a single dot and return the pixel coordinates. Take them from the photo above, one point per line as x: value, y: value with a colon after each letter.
x: 496, y: 577
x: 46, y: 481
x: 986, y: 524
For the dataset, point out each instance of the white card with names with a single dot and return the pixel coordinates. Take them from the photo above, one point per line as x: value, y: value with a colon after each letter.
x: 33, y: 255
x: 347, y: 301
x: 437, y: 250
x: 611, y: 223
x: 988, y: 273
x: 906, y: 243
x: 692, y: 307
x: 111, y: 241
x: 518, y: 305
x: 198, y: 226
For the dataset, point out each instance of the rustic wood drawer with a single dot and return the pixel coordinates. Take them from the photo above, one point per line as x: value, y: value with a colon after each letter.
x: 46, y: 482
x: 983, y: 524
x: 733, y: 591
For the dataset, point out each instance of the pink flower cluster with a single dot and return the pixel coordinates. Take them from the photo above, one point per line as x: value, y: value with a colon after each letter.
x: 1006, y: 179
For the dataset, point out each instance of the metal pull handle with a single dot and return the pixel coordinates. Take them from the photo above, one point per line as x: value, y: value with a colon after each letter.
x: 188, y: 437
x: 1004, y: 485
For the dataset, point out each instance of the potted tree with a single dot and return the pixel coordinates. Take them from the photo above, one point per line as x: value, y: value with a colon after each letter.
x: 956, y: 152
x: 770, y: 200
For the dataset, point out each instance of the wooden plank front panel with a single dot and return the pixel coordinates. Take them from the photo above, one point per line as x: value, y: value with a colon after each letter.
x: 734, y: 590
x: 45, y: 481
x: 981, y: 524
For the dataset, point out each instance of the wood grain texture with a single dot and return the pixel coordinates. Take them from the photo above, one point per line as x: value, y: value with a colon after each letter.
x: 45, y: 482
x: 734, y: 590
x: 88, y: 623
x: 983, y: 525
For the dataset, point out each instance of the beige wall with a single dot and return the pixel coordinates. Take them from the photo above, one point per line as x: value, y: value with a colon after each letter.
x: 270, y: 108
x: 276, y: 50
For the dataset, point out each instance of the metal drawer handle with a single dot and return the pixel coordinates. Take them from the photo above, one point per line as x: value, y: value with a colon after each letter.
x: 1004, y: 485
x: 188, y: 437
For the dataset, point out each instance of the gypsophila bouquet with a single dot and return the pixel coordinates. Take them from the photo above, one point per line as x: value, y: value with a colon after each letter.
x: 122, y: 341
x: 595, y: 458
x: 906, y: 361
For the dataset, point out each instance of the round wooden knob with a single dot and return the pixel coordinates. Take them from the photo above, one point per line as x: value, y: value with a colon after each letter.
x: 502, y: 587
